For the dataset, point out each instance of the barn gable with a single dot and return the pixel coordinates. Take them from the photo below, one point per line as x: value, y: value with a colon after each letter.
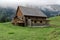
x: 19, y: 12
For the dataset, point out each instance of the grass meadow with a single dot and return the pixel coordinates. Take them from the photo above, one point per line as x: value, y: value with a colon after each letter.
x: 12, y: 32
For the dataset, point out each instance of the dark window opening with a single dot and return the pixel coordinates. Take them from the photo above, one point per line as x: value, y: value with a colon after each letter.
x: 40, y: 21
x: 32, y: 20
x: 35, y: 21
x: 22, y: 18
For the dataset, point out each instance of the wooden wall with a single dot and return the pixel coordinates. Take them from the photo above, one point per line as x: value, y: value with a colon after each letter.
x: 19, y: 18
x: 36, y: 21
x: 19, y: 13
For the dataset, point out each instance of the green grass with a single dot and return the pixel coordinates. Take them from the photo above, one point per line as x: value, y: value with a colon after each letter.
x: 55, y: 21
x: 11, y: 32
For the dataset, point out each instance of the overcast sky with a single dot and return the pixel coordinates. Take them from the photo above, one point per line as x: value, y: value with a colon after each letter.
x: 24, y: 2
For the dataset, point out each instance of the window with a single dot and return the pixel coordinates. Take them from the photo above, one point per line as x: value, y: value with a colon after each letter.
x: 40, y: 21
x: 35, y: 21
x: 22, y: 17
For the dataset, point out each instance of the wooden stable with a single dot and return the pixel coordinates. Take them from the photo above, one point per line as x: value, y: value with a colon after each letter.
x: 26, y: 16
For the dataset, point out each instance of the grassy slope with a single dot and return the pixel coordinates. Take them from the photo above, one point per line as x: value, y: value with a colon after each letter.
x: 55, y: 21
x: 11, y: 32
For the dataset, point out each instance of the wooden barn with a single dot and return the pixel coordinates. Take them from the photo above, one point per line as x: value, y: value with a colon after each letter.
x: 26, y: 16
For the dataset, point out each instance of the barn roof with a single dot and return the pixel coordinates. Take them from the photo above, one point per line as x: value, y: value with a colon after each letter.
x: 32, y: 11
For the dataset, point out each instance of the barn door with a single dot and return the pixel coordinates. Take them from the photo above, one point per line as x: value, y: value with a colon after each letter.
x: 29, y: 22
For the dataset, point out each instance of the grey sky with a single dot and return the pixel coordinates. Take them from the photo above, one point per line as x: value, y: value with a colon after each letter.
x: 24, y: 2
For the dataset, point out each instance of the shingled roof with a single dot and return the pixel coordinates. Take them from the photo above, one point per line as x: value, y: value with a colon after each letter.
x: 32, y: 11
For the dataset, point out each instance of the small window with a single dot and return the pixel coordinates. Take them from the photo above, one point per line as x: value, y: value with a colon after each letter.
x: 35, y: 21
x: 32, y: 20
x: 22, y: 18
x: 40, y: 21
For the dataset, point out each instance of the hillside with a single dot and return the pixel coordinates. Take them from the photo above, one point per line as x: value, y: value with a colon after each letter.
x: 11, y: 32
x: 6, y: 14
x: 55, y: 21
x: 51, y: 10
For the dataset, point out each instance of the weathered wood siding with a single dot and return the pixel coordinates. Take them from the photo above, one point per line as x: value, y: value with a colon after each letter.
x: 36, y: 21
x: 19, y: 18
x: 19, y: 13
x: 27, y: 20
